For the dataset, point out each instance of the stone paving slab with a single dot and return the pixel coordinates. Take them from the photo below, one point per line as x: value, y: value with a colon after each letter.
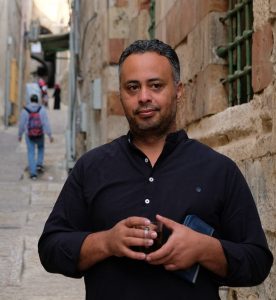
x: 11, y: 258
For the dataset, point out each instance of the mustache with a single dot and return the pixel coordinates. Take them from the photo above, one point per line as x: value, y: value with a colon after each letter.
x: 145, y: 107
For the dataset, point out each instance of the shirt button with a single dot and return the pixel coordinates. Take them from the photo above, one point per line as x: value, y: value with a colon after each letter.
x: 147, y: 201
x: 151, y: 179
x: 146, y: 160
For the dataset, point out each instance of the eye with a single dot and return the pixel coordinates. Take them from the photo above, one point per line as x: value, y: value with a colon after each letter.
x: 132, y: 87
x: 156, y: 86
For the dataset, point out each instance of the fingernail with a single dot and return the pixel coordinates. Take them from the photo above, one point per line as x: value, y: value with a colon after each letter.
x: 153, y: 235
x: 143, y: 256
x: 147, y: 222
x: 149, y: 242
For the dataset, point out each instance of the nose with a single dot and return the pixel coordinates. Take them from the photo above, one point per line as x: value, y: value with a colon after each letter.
x: 144, y: 95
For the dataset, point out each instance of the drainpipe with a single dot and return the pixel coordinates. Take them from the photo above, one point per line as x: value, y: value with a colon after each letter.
x: 7, y: 83
x: 71, y: 125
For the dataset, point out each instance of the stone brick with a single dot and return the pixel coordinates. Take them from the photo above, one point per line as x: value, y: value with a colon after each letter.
x: 117, y: 126
x: 138, y: 28
x: 144, y: 4
x: 116, y: 46
x: 185, y: 14
x: 118, y: 22
x: 262, y: 68
x: 204, y: 95
x: 114, y: 106
x: 198, y: 50
x: 273, y: 6
x: 121, y: 3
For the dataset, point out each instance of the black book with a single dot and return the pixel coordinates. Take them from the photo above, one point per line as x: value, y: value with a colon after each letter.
x: 198, y: 225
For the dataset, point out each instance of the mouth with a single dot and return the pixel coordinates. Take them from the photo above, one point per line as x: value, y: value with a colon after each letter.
x: 146, y: 112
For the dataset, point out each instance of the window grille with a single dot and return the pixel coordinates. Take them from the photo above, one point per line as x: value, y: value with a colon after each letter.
x: 151, y: 29
x: 239, y: 22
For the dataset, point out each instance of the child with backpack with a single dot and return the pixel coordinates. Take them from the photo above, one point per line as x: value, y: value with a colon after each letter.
x: 34, y: 122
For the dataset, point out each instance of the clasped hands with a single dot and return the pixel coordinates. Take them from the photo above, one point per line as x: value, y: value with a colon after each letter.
x: 182, y: 249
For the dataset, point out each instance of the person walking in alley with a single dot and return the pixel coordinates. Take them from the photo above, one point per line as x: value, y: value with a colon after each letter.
x: 56, y: 95
x: 102, y: 224
x: 34, y: 122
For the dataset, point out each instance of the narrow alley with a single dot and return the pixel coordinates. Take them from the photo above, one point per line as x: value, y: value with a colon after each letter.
x: 24, y: 207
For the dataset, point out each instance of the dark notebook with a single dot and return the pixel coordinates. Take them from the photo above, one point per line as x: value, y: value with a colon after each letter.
x: 198, y: 225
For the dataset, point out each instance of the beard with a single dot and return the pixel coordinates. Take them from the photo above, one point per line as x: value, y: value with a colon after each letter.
x: 157, y: 126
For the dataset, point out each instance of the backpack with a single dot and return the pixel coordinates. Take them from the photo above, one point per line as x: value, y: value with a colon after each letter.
x: 35, y: 128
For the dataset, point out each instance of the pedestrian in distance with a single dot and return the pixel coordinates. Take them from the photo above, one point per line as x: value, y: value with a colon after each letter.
x: 35, y: 124
x: 100, y: 226
x: 56, y: 95
x: 44, y: 91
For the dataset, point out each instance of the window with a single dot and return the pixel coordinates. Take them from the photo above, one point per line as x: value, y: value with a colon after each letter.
x: 152, y: 19
x: 239, y: 22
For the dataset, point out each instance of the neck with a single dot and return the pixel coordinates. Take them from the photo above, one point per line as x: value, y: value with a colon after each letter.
x: 151, y: 146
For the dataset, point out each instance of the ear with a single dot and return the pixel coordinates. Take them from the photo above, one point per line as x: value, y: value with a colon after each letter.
x: 179, y: 91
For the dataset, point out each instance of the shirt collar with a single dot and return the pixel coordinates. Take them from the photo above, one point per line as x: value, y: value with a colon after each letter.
x: 172, y: 140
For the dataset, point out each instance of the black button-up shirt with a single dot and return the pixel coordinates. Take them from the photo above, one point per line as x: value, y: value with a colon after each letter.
x: 116, y: 180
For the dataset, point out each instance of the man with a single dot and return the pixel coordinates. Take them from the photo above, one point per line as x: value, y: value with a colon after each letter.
x: 37, y: 115
x: 96, y: 227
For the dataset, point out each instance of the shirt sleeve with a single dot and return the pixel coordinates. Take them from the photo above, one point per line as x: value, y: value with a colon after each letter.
x: 45, y: 122
x: 243, y: 239
x: 65, y: 230
x: 22, y: 122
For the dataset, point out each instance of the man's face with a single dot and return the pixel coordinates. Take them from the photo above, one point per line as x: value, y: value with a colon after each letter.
x: 149, y: 94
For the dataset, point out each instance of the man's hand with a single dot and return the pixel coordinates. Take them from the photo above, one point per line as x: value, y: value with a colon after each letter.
x: 129, y: 233
x: 186, y: 247
x: 19, y: 139
x: 116, y: 241
x: 180, y: 251
x: 51, y: 139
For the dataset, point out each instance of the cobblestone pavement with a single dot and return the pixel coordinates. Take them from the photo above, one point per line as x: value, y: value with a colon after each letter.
x: 24, y: 207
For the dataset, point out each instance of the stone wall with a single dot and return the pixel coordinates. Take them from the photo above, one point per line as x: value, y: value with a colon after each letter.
x: 10, y: 56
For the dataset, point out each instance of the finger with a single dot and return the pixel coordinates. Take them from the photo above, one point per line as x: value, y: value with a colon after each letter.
x: 159, y: 256
x: 130, y: 242
x: 170, y: 267
x: 134, y: 255
x: 141, y: 232
x: 167, y: 222
x: 136, y: 221
x: 162, y: 261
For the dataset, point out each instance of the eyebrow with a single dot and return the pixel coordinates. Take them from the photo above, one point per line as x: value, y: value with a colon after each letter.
x: 149, y: 80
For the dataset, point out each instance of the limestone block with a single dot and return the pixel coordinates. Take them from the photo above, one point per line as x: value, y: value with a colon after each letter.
x: 114, y: 106
x: 261, y: 11
x: 273, y: 6
x: 139, y: 26
x: 161, y: 31
x: 117, y: 126
x: 185, y: 15
x: 116, y: 46
x: 120, y: 3
x: 111, y: 74
x: 260, y: 176
x: 235, y: 123
x: 118, y: 23
x: 262, y: 69
x: 198, y: 50
x: 203, y: 96
x: 162, y: 7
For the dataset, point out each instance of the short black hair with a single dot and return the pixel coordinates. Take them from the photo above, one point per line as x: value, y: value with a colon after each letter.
x: 34, y: 98
x: 142, y: 46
